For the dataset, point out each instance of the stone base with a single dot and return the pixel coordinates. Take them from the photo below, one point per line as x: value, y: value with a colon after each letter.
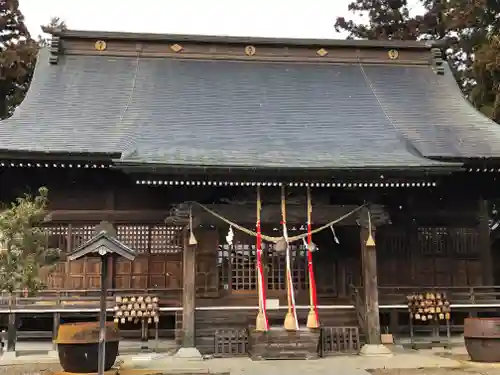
x: 373, y: 350
x: 8, y: 356
x: 190, y: 354
x: 53, y: 354
x: 109, y: 372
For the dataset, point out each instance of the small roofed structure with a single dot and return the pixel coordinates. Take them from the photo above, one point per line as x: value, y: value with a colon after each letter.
x: 103, y: 243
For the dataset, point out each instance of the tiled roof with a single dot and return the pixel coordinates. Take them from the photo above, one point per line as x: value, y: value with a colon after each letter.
x: 248, y: 114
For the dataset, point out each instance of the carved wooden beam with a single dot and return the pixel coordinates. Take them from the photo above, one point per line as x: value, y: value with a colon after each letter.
x: 115, y: 216
x: 378, y: 214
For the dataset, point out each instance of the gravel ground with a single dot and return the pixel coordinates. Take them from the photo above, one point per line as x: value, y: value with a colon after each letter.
x: 438, y: 371
x: 30, y: 369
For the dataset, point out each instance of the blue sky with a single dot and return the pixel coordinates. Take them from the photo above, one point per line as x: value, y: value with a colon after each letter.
x: 271, y: 18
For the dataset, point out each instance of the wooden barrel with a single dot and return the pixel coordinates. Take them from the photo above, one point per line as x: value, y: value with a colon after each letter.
x: 78, y: 346
x: 482, y: 339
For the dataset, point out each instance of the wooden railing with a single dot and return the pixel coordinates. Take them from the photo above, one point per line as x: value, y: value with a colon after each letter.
x: 77, y: 299
x: 457, y: 295
x: 359, y: 306
x: 388, y: 297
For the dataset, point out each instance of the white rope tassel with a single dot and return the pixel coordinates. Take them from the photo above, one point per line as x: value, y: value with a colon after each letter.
x: 192, y: 238
x: 289, y: 276
x: 335, y: 238
x: 230, y: 236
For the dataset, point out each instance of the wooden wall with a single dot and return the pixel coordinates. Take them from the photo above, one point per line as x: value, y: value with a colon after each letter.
x: 440, y: 251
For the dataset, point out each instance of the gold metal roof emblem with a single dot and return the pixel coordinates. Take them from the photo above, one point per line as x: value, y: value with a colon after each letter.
x: 322, y: 52
x: 100, y: 45
x: 393, y: 54
x: 176, y: 47
x: 250, y: 50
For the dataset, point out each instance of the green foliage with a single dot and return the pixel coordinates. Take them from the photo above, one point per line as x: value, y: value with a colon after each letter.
x: 387, y: 19
x: 17, y: 57
x: 464, y: 29
x: 18, y: 52
x: 485, y: 94
x: 24, y: 253
x: 55, y: 24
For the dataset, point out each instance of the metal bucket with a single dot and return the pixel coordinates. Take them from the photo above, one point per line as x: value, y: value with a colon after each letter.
x: 482, y: 339
x: 78, y: 346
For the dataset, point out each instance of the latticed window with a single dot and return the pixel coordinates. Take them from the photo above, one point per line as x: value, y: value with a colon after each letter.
x: 448, y: 241
x: 224, y: 265
x: 276, y: 268
x: 156, y: 239
x: 58, y: 237
x: 243, y: 267
x: 237, y: 266
x: 67, y: 238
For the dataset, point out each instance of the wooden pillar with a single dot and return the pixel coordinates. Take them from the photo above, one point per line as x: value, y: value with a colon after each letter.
x: 370, y: 283
x: 189, y: 293
x: 394, y: 322
x: 12, y: 333
x: 485, y: 243
x: 55, y: 328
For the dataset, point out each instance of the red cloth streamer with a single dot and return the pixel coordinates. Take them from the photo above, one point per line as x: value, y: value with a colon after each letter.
x: 261, y: 274
x: 292, y: 299
x: 312, y: 281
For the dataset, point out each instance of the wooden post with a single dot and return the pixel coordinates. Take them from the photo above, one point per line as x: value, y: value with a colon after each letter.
x: 12, y: 333
x: 369, y: 264
x: 189, y: 293
x: 485, y: 243
x: 102, y: 314
x: 55, y: 328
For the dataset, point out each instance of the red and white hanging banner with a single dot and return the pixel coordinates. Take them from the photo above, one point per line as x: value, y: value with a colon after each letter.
x: 262, y: 291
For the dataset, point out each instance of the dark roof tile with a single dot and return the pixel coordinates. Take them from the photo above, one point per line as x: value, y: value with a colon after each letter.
x: 248, y: 114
